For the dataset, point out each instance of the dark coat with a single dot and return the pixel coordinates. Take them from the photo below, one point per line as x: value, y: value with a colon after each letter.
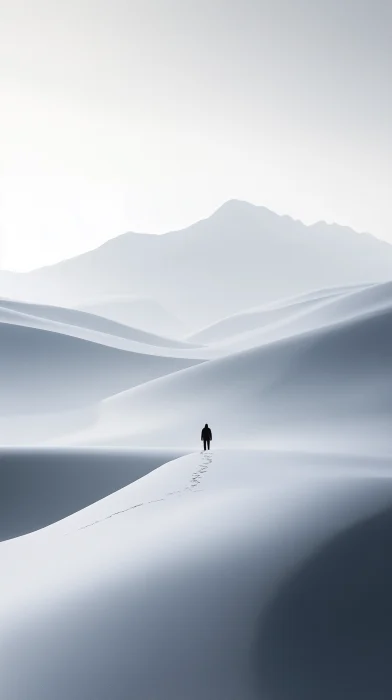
x: 206, y: 433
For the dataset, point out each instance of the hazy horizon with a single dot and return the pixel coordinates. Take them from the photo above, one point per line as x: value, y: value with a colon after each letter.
x: 147, y: 116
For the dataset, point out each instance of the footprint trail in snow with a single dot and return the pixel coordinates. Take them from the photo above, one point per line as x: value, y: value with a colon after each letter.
x: 196, y: 479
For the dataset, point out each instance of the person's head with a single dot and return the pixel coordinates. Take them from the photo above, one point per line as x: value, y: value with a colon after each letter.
x: 206, y: 425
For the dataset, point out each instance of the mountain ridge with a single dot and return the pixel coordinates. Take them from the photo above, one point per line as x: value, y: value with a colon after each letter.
x: 240, y: 257
x: 230, y: 204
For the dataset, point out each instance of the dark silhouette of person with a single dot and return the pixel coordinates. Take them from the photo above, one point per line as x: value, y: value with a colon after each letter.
x: 206, y: 436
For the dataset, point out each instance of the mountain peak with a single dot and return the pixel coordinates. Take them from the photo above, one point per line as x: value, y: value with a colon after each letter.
x: 236, y: 206
x: 239, y: 208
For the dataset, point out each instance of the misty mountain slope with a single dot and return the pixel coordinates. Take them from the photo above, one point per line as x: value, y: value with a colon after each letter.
x: 241, y: 257
x: 39, y: 487
x: 146, y: 314
x: 333, y: 384
x: 88, y: 321
x: 43, y: 371
x: 167, y: 583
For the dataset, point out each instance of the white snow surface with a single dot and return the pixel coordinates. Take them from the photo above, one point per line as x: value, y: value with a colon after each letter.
x: 257, y: 570
x: 143, y: 313
x: 320, y: 378
x: 84, y: 324
x: 160, y: 590
x: 55, y: 361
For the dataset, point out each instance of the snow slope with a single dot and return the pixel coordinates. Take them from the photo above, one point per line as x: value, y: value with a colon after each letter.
x: 45, y: 370
x: 313, y: 372
x: 87, y: 325
x: 145, y: 314
x: 328, y: 386
x: 269, y: 314
x: 269, y: 325
x: 39, y: 487
x: 57, y: 364
x: 135, y: 573
x: 167, y: 589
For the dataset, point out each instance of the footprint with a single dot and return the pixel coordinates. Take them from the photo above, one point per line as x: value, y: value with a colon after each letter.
x: 192, y: 486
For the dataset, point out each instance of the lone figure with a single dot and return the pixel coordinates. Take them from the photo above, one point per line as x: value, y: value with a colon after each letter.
x: 206, y: 436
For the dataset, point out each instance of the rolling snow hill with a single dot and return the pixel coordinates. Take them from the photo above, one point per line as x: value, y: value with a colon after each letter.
x: 184, y: 584
x: 318, y: 384
x: 37, y: 486
x: 45, y: 370
x: 146, y: 314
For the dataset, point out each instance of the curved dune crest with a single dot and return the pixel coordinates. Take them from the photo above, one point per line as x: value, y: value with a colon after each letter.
x: 144, y: 313
x: 271, y: 313
x: 71, y: 321
x: 309, y: 388
x: 269, y: 324
x: 39, y: 487
x: 43, y: 371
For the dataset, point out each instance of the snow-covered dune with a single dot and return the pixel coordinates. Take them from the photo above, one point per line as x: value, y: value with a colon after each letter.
x: 314, y: 374
x: 328, y: 624
x: 44, y: 370
x: 145, y: 314
x: 71, y: 321
x: 250, y: 320
x: 57, y: 364
x: 256, y: 328
x: 166, y: 589
x: 331, y: 386
x: 40, y: 486
x: 287, y: 313
x: 142, y: 574
x: 317, y: 294
x: 255, y: 319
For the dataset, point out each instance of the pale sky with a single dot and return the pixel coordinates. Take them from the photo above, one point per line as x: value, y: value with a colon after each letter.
x: 147, y: 115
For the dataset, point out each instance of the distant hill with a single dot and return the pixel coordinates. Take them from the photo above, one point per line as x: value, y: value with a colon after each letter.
x: 241, y: 257
x: 146, y: 314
